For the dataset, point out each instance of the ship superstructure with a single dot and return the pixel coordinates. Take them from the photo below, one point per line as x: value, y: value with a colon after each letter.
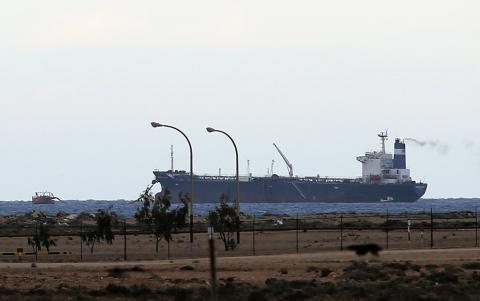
x: 381, y: 167
x: 385, y: 178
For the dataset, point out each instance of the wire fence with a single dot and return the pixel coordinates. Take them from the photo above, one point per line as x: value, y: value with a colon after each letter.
x: 259, y: 236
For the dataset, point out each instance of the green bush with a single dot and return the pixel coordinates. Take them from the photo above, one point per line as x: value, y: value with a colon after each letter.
x: 472, y: 266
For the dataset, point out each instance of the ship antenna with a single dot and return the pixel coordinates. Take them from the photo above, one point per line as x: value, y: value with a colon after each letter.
x: 248, y: 168
x: 383, y: 136
x: 171, y: 156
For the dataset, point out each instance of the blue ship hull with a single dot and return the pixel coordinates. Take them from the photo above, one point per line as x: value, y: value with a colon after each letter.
x: 275, y: 189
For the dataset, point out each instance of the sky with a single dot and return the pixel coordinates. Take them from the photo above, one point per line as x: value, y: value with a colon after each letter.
x: 80, y: 81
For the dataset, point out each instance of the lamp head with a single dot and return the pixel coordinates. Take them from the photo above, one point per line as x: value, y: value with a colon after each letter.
x: 156, y: 124
x: 209, y: 129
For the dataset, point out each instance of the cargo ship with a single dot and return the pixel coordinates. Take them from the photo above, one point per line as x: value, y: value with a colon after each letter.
x: 385, y: 178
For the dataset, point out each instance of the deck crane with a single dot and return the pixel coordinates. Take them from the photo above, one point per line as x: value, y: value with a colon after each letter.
x: 289, y: 165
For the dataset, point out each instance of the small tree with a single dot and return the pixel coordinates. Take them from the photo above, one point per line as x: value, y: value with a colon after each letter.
x: 41, y: 238
x: 103, y: 230
x: 223, y: 220
x: 159, y: 217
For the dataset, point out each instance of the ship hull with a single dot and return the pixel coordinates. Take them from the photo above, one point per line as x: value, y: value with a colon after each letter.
x: 43, y: 200
x: 289, y: 190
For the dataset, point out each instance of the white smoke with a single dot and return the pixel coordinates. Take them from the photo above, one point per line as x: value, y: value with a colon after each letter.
x: 469, y: 144
x: 442, y: 148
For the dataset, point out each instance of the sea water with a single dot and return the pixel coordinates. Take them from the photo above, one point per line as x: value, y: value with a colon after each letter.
x: 128, y: 208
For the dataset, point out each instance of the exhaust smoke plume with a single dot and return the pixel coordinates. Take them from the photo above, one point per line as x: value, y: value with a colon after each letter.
x: 442, y: 148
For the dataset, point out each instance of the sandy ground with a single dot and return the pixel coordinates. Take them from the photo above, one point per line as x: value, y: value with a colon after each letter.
x: 142, y: 247
x: 252, y: 269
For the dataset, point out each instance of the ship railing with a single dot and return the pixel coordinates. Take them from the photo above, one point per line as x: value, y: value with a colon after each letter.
x: 219, y: 178
x: 328, y: 180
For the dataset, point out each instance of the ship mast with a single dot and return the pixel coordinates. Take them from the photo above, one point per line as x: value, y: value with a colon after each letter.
x: 289, y: 165
x: 383, y: 136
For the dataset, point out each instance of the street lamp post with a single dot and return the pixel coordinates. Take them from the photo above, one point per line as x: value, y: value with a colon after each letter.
x: 190, y: 209
x: 237, y: 200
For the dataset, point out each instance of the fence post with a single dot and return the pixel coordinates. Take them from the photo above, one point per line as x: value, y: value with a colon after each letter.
x: 297, y: 231
x: 36, y: 235
x: 408, y: 228
x: 213, y: 265
x: 341, y: 232
x: 386, y: 229
x: 431, y: 228
x: 476, y: 228
x: 168, y: 249
x: 81, y: 241
x: 125, y: 240
x: 253, y: 235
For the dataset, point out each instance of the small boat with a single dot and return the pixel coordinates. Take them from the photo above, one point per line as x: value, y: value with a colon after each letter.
x: 44, y: 198
x: 388, y: 199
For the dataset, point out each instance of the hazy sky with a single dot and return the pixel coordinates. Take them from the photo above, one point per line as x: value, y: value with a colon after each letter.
x: 81, y: 80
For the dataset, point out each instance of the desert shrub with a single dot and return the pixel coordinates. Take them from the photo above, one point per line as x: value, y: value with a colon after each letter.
x: 179, y: 294
x: 472, y: 266
x: 6, y: 291
x: 183, y: 294
x: 361, y: 271
x: 402, y: 266
x: 299, y: 284
x: 187, y: 268
x: 227, y: 289
x: 137, y: 269
x: 476, y: 276
x: 312, y: 269
x: 327, y: 288
x: 139, y: 290
x: 117, y: 289
x: 296, y: 296
x: 120, y: 272
x: 258, y: 295
x: 324, y: 272
x: 39, y: 291
x: 443, y: 277
x: 133, y: 291
x: 116, y: 272
x: 399, y: 292
x: 277, y: 286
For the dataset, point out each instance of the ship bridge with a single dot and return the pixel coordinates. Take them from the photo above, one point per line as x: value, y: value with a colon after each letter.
x: 382, y: 167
